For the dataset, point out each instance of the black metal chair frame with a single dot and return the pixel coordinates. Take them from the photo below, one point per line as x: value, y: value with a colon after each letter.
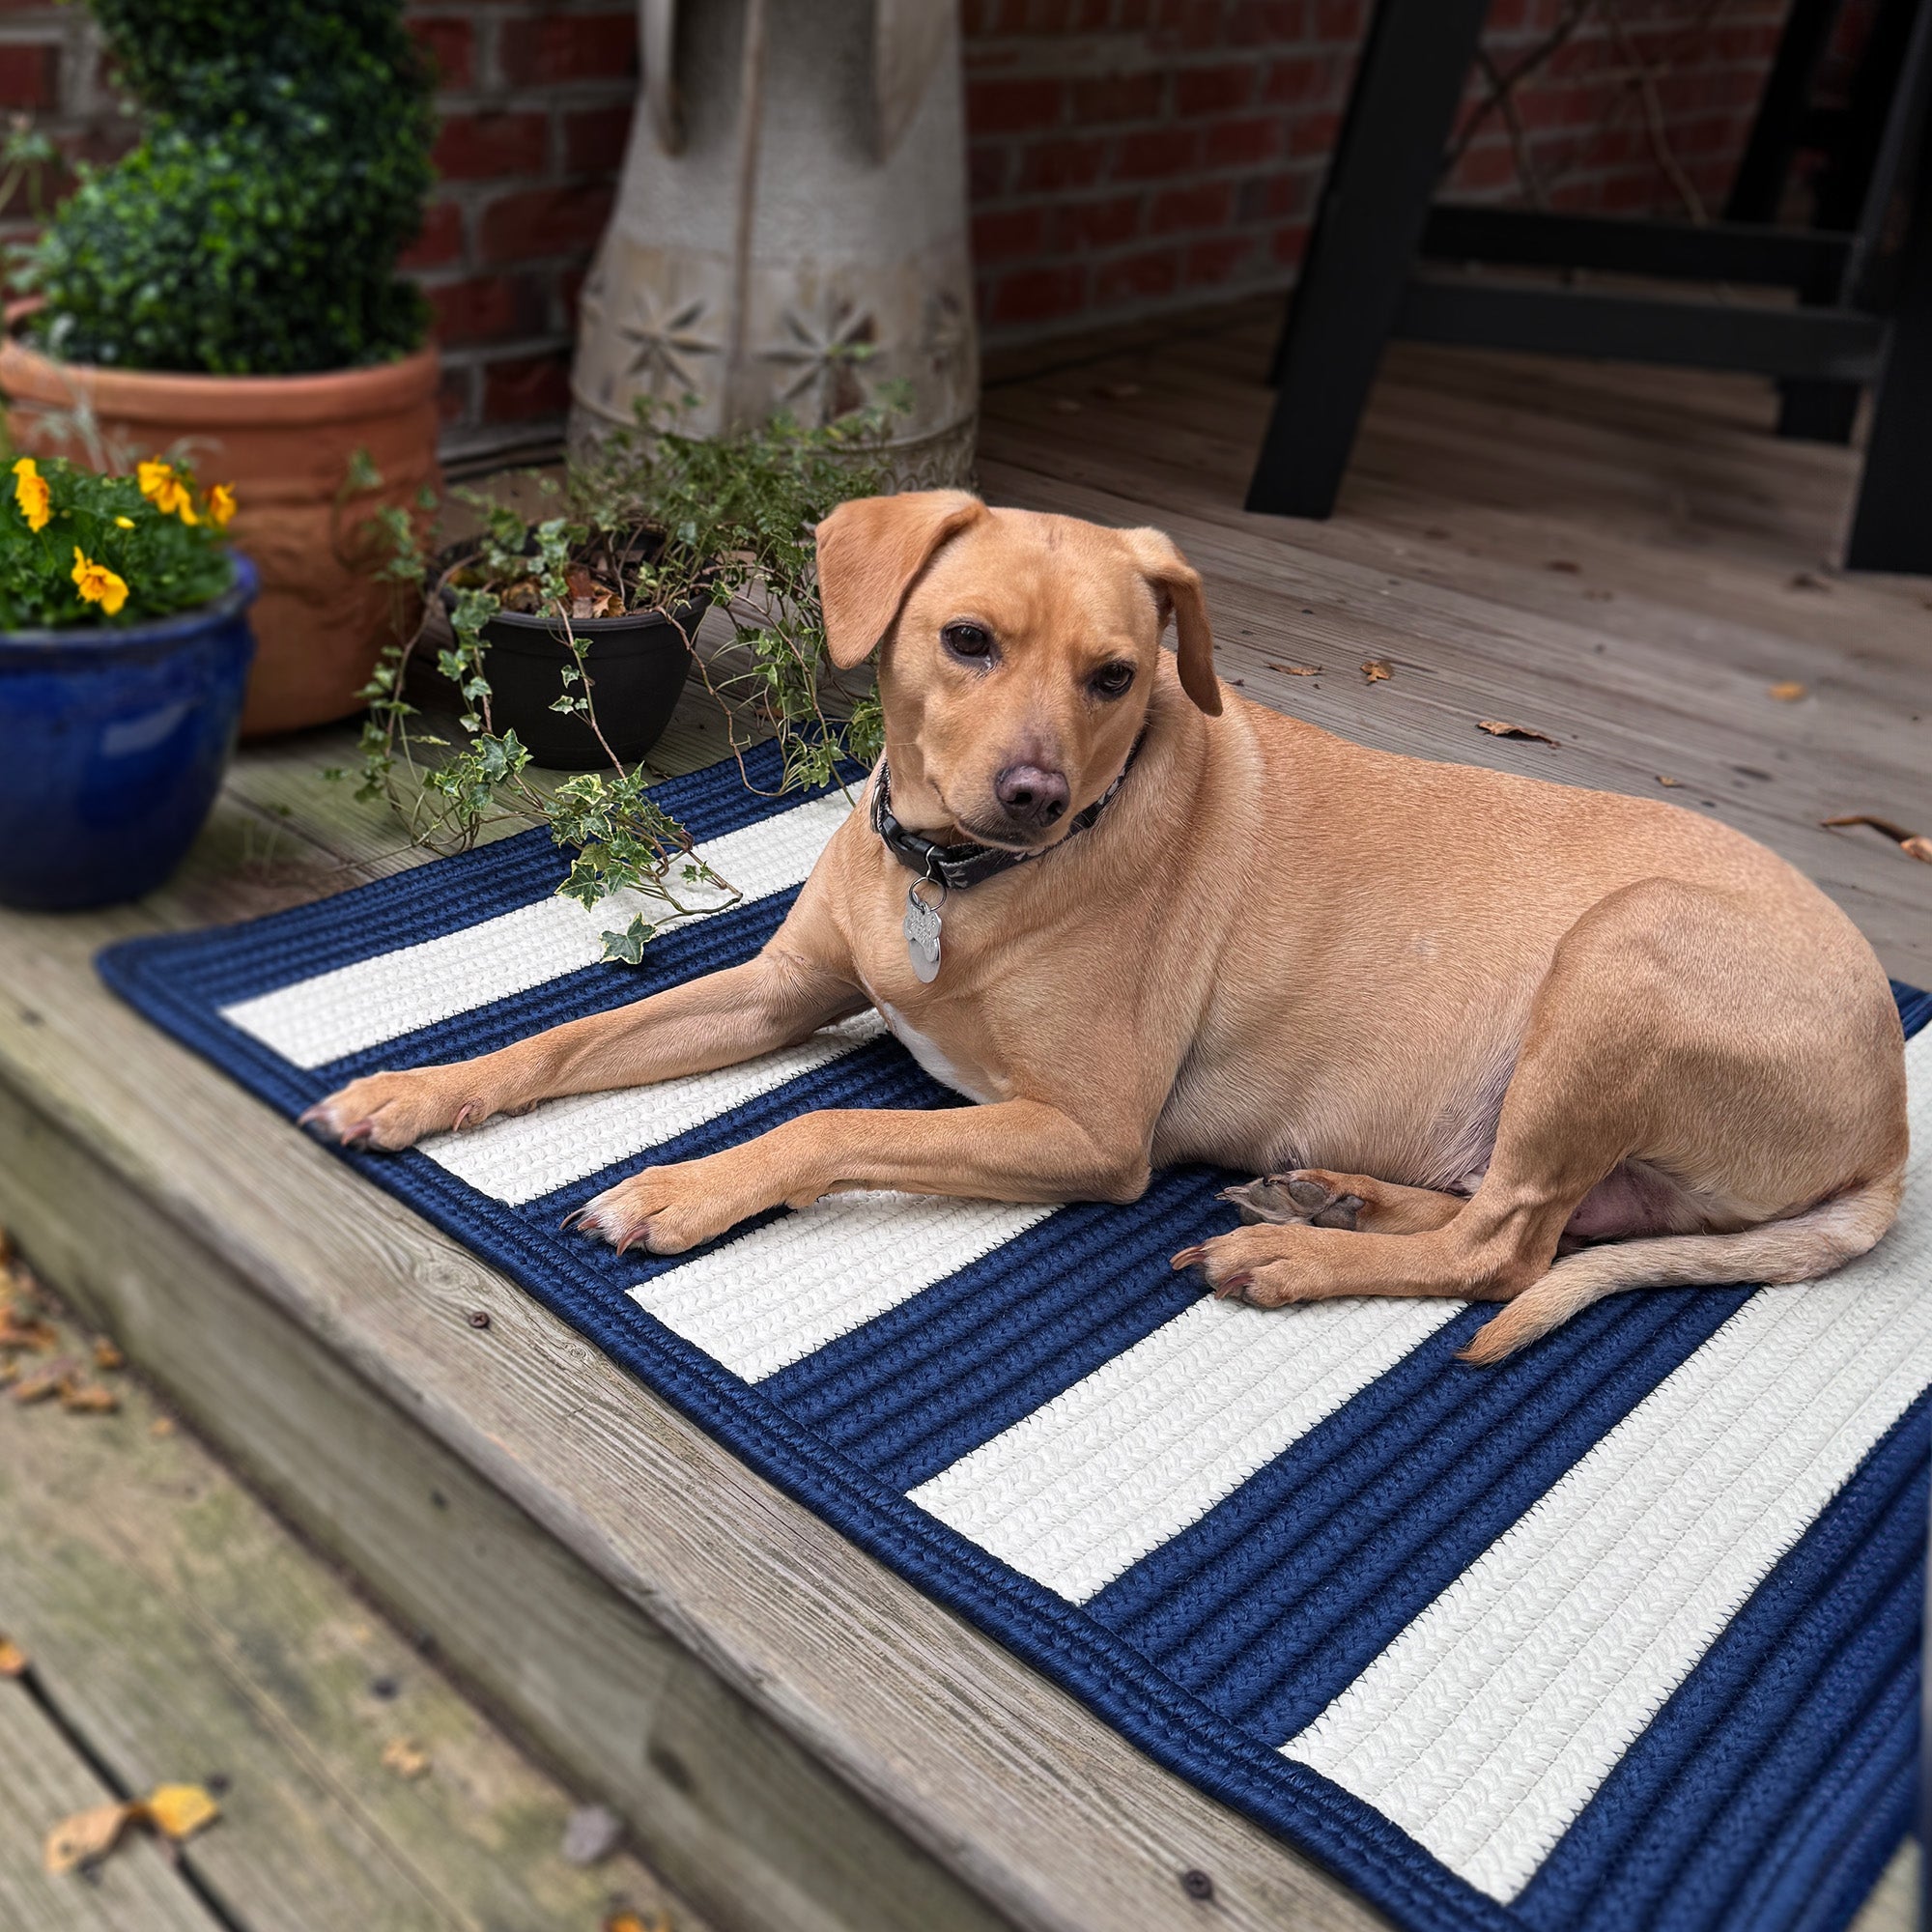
x: 1863, y: 316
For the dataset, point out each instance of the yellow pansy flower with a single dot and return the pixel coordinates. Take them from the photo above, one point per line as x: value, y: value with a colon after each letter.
x: 163, y: 489
x: 30, y: 492
x: 97, y: 584
x: 221, y: 503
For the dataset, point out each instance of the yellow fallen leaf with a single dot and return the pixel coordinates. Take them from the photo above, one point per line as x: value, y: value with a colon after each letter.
x: 12, y: 1659
x: 405, y: 1757
x: 179, y: 1810
x: 85, y: 1836
x: 106, y: 1357
x: 1787, y: 692
x: 1294, y: 671
x: 1374, y: 670
x: 80, y: 1397
x: 1500, y: 728
x: 1663, y: 781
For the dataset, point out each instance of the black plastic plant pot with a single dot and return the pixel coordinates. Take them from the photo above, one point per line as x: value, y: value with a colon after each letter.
x: 637, y: 665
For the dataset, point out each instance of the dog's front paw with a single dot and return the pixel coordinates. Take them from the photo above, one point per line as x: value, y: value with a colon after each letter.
x: 1258, y: 1265
x: 666, y: 1210
x: 396, y: 1110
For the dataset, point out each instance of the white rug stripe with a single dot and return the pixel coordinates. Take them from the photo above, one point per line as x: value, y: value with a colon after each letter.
x: 1492, y: 1719
x: 788, y: 1288
x: 355, y: 1007
x: 520, y: 1158
x: 1109, y: 1471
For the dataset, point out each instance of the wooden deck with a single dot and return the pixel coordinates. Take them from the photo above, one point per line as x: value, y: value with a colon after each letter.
x: 176, y: 1631
x: 1624, y: 559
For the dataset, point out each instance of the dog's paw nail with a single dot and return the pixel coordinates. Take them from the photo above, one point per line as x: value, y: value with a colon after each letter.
x: 1231, y: 1289
x: 575, y: 1219
x: 636, y: 1238
x: 359, y: 1133
x: 1187, y: 1258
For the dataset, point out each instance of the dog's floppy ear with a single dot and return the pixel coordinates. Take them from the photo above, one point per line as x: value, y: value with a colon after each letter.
x: 1176, y: 583
x: 869, y: 550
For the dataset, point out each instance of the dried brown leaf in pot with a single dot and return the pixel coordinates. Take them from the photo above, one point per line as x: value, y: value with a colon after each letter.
x: 1376, y: 669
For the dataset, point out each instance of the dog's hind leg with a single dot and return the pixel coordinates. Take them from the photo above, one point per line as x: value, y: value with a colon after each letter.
x: 1316, y: 1197
x: 1684, y: 1028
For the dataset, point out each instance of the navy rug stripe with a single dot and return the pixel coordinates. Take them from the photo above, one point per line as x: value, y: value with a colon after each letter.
x: 1779, y: 1717
x: 911, y: 1392
x: 1279, y: 1598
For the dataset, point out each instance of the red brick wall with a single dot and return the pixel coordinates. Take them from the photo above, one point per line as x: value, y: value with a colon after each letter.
x: 1125, y: 154
x: 536, y: 105
x: 1131, y: 155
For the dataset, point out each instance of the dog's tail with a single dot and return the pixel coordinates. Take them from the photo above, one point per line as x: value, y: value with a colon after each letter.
x: 1800, y: 1249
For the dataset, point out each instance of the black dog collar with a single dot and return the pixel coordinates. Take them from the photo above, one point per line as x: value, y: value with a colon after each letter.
x: 954, y: 866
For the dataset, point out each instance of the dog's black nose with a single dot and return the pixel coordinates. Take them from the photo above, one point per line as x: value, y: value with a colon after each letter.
x: 1030, y: 795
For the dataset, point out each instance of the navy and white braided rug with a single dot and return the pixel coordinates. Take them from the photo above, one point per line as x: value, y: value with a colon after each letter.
x: 1622, y: 1634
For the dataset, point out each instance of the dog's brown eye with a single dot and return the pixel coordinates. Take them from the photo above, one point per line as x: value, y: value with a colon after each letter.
x: 972, y: 641
x: 1111, y: 680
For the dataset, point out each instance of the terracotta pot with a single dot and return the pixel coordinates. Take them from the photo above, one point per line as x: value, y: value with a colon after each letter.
x: 286, y: 443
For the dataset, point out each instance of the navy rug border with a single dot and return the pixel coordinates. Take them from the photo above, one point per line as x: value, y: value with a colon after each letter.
x: 1354, y: 1842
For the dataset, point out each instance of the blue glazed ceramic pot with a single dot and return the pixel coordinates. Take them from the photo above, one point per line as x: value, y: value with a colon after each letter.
x: 112, y: 747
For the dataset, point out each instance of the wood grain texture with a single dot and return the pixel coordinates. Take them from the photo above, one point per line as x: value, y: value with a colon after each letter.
x: 185, y: 1636
x: 44, y: 1779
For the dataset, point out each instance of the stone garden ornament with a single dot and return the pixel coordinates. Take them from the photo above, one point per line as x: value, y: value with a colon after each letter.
x: 791, y: 229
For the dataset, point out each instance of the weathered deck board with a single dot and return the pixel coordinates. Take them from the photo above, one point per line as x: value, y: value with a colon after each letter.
x: 185, y: 1634
x: 44, y: 1779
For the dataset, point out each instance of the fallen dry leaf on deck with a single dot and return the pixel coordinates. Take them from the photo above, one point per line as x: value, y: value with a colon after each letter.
x: 1501, y: 727
x: 1915, y: 844
x: 12, y: 1659
x: 1374, y: 670
x: 405, y: 1757
x: 79, y: 1398
x: 1294, y: 671
x: 632, y: 1921
x: 42, y: 1384
x: 1663, y: 781
x: 1563, y: 564
x: 179, y: 1812
x: 1787, y: 692
x: 38, y: 1336
x: 106, y: 1357
x: 85, y: 1836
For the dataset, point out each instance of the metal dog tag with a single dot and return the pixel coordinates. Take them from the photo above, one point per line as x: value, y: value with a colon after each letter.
x: 922, y: 934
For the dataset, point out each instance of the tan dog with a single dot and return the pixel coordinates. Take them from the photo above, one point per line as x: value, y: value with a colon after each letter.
x: 1466, y: 1022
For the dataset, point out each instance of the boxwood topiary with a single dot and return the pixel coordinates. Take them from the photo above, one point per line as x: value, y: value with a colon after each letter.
x: 255, y: 230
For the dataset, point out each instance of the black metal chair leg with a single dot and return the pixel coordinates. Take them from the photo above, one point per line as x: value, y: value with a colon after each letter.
x: 1373, y: 206
x: 1892, y: 528
x: 1782, y: 110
